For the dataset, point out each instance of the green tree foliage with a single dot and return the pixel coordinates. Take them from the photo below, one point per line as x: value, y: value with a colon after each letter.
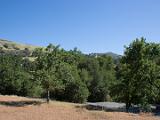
x: 73, y: 76
x: 139, y: 74
x: 13, y: 78
x: 75, y: 89
x: 98, y: 73
x: 47, y: 64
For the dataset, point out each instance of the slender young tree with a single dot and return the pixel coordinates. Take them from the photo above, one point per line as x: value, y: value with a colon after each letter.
x: 47, y: 64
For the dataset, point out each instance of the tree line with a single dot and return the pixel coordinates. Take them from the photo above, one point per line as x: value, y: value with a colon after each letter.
x: 76, y: 77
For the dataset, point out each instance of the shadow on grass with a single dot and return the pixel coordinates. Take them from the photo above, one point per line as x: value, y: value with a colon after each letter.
x: 101, y: 108
x: 157, y: 114
x: 81, y: 106
x: 20, y: 103
x: 135, y: 111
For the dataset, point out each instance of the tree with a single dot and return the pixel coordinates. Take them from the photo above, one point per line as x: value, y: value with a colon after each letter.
x: 98, y: 74
x: 13, y: 78
x: 47, y: 64
x: 75, y: 89
x: 138, y: 74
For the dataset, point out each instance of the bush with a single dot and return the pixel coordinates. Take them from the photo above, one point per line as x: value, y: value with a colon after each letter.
x: 5, y: 45
x: 77, y: 92
x: 36, y: 91
x: 145, y: 107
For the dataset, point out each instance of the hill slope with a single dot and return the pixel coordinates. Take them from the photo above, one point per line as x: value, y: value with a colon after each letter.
x: 9, y: 45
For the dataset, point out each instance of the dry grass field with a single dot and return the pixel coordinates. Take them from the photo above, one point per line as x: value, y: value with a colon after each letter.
x: 20, y: 108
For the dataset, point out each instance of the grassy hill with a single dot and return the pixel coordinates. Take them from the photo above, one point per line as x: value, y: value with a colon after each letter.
x: 9, y: 45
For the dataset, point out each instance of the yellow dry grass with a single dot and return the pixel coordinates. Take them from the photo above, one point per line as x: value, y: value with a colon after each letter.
x: 60, y: 111
x: 13, y: 45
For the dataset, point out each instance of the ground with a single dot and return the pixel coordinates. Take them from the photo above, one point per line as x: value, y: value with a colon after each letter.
x: 20, y: 108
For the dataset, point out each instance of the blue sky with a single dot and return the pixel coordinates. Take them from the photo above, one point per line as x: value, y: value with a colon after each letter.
x: 90, y: 25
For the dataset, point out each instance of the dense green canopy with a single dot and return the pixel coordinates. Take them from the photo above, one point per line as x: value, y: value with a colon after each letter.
x: 73, y: 76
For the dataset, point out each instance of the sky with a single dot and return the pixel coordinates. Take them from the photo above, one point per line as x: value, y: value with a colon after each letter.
x: 90, y: 25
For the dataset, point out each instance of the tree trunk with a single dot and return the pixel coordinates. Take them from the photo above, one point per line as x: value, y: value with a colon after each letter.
x: 48, y: 96
x: 128, y: 105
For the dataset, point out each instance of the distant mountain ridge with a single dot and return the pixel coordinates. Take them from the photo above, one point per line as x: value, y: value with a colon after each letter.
x: 7, y: 46
x: 113, y: 55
